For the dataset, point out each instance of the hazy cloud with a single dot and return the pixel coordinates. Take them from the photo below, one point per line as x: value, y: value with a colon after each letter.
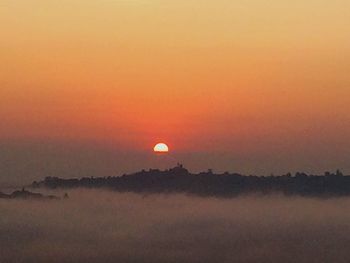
x: 102, y: 226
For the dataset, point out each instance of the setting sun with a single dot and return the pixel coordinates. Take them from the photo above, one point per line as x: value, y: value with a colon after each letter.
x: 161, y: 148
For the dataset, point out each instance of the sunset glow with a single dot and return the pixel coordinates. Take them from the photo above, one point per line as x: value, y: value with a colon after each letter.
x: 258, y: 86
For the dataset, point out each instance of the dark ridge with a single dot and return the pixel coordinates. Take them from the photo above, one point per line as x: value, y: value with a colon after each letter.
x: 180, y: 180
x: 23, y: 194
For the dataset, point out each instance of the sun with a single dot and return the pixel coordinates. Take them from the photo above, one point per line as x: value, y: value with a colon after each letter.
x: 161, y: 148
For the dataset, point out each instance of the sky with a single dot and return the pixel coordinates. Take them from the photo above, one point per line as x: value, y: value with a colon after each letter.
x: 88, y: 87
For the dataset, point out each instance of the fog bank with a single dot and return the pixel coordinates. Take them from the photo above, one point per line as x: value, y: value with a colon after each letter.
x: 101, y: 226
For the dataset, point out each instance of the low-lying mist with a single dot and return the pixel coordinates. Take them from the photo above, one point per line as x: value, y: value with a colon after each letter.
x: 103, y: 226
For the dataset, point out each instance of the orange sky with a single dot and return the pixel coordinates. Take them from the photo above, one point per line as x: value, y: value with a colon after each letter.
x: 205, y: 76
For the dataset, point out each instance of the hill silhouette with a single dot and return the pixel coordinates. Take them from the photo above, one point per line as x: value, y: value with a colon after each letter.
x: 180, y: 180
x: 23, y: 194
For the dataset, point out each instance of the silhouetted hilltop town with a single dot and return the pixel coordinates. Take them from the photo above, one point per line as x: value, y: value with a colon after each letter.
x: 180, y: 180
x: 24, y: 194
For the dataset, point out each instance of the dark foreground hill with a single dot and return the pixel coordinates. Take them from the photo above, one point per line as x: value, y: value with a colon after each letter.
x: 23, y: 194
x: 180, y: 180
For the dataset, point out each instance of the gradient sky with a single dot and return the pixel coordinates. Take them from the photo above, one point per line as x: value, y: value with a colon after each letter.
x: 88, y: 87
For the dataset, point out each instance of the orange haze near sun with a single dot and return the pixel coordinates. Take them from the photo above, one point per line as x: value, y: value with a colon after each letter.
x: 252, y: 77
